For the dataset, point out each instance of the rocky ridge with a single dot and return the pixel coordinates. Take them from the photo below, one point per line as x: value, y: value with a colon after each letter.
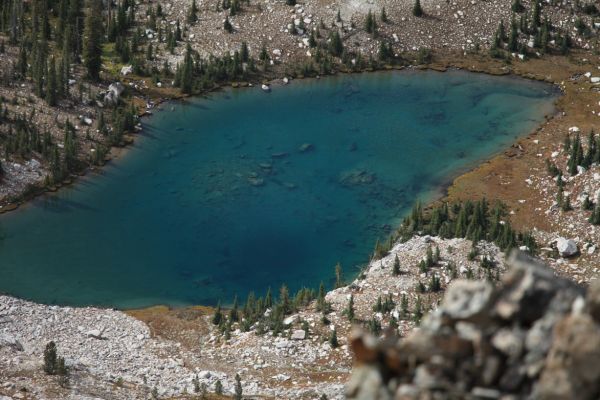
x: 534, y: 336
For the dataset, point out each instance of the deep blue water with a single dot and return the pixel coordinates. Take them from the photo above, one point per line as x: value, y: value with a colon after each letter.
x: 179, y: 219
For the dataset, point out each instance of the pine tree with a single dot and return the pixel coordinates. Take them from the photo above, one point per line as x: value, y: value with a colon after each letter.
x: 51, y: 86
x: 268, y: 299
x: 187, y: 74
x: 404, y: 305
x: 517, y: 6
x: 350, y: 309
x: 417, y: 9
x: 370, y: 23
x: 339, y: 279
x: 92, y: 52
x: 384, y: 17
x: 536, y: 15
x: 396, y: 269
x: 513, y: 37
x: 218, y: 387
x: 418, y: 311
x: 238, y: 387
x: 227, y: 25
x: 218, y: 315
x: 193, y: 13
x: 333, y: 339
x: 50, y: 359
x: 70, y: 145
x: 244, y: 52
x: 336, y: 47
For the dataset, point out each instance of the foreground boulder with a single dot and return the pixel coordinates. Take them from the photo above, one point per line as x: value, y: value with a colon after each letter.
x: 566, y: 247
x: 534, y: 336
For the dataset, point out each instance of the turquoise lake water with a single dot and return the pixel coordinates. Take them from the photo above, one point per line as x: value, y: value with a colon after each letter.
x: 217, y: 198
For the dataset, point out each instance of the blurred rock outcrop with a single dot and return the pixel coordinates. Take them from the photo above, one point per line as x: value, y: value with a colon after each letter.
x: 534, y: 336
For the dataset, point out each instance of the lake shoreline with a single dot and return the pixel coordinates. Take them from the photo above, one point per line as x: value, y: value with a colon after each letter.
x: 433, y: 196
x: 116, y: 152
x: 442, y: 191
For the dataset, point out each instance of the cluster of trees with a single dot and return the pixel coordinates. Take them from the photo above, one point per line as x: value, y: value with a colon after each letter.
x: 578, y: 157
x: 267, y: 313
x: 542, y: 31
x: 55, y: 365
x: 196, y: 73
x: 474, y: 220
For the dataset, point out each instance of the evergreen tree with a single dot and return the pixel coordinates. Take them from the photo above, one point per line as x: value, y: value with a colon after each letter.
x: 417, y: 9
x: 192, y: 17
x: 218, y: 387
x: 513, y: 37
x: 92, y: 52
x: 384, y: 17
x: 187, y: 74
x: 370, y: 23
x: 339, y: 279
x: 418, y: 311
x: 404, y: 305
x: 218, y: 315
x: 244, y: 52
x: 51, y: 87
x: 70, y: 146
x: 517, y: 6
x: 333, y: 339
x: 227, y: 25
x: 149, y: 52
x: 238, y: 387
x: 350, y: 309
x: 396, y: 269
x: 336, y: 47
x: 536, y: 14
x: 50, y: 359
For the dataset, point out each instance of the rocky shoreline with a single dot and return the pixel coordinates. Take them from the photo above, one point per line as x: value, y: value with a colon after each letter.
x: 113, y: 355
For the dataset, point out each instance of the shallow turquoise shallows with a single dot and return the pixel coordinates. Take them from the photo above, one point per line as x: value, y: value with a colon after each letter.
x: 247, y: 190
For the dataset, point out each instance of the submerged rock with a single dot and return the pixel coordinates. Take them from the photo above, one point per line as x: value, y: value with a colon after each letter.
x: 256, y: 181
x: 359, y: 177
x: 306, y: 147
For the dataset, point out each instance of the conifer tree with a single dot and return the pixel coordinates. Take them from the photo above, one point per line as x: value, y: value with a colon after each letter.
x: 244, y: 52
x: 513, y: 37
x: 350, y: 309
x: 339, y: 279
x: 193, y: 13
x: 218, y: 315
x: 92, y: 52
x: 187, y: 74
x: 336, y: 47
x: 370, y: 23
x: 333, y: 339
x: 418, y: 311
x: 396, y: 268
x: 384, y: 17
x: 517, y: 6
x: 51, y: 87
x: 50, y: 358
x: 536, y: 14
x: 227, y: 25
x: 417, y: 9
x: 404, y: 305
x: 218, y: 387
x: 238, y: 387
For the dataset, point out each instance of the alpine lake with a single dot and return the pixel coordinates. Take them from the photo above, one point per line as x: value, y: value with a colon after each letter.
x: 244, y: 190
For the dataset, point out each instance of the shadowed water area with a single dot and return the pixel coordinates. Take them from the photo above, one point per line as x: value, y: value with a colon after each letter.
x: 245, y: 190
